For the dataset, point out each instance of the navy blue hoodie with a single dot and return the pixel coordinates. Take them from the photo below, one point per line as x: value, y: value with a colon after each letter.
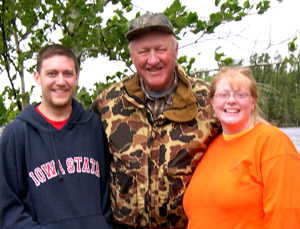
x: 53, y: 178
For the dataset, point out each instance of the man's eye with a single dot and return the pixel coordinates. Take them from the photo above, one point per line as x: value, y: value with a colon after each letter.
x: 51, y: 73
x: 143, y: 51
x: 161, y: 50
x: 69, y: 74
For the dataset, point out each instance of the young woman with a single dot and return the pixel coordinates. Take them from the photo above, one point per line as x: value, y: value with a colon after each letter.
x: 250, y: 175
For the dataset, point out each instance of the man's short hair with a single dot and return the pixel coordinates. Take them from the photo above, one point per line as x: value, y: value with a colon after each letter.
x: 56, y: 49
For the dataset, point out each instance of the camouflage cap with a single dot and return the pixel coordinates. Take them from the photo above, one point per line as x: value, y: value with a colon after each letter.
x: 149, y: 22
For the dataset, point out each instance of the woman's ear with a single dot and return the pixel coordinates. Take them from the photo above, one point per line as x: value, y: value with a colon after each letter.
x: 254, y: 102
x: 211, y: 100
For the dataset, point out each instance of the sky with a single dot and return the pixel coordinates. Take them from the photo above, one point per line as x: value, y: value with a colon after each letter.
x: 239, y: 40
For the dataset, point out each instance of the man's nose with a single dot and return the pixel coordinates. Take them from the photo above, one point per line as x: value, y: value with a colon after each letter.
x: 153, y: 57
x: 60, y: 79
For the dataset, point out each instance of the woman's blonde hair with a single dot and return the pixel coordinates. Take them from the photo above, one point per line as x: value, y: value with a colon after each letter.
x: 238, y: 75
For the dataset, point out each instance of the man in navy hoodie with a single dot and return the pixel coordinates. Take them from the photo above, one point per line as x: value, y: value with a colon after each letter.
x: 54, y: 160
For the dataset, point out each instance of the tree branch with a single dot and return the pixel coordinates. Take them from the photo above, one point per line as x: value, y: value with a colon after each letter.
x: 5, y: 56
x: 246, y: 66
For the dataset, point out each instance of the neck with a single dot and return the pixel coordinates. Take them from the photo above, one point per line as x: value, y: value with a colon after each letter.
x: 56, y: 114
x: 235, y: 129
x: 159, y: 94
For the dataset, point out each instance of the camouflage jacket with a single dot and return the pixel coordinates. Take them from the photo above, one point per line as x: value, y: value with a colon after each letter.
x: 153, y: 160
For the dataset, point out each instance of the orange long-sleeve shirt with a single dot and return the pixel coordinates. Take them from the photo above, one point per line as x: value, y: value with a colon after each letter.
x: 251, y: 181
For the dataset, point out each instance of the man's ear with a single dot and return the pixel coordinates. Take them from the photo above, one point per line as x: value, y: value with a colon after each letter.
x: 77, y: 78
x: 37, y: 77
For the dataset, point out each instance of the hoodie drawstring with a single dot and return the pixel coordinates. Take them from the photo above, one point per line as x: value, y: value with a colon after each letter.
x: 55, y: 153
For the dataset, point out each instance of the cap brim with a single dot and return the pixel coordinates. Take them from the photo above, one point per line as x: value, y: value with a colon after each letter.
x: 131, y: 34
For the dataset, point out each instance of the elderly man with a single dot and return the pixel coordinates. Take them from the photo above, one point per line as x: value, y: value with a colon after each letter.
x: 158, y: 123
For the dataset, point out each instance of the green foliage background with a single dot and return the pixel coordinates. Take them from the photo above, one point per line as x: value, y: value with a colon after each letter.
x: 26, y: 26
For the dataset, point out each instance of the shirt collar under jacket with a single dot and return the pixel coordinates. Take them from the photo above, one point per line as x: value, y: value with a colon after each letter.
x: 158, y: 105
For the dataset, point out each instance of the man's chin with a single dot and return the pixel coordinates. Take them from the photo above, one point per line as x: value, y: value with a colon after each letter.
x: 61, y: 103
